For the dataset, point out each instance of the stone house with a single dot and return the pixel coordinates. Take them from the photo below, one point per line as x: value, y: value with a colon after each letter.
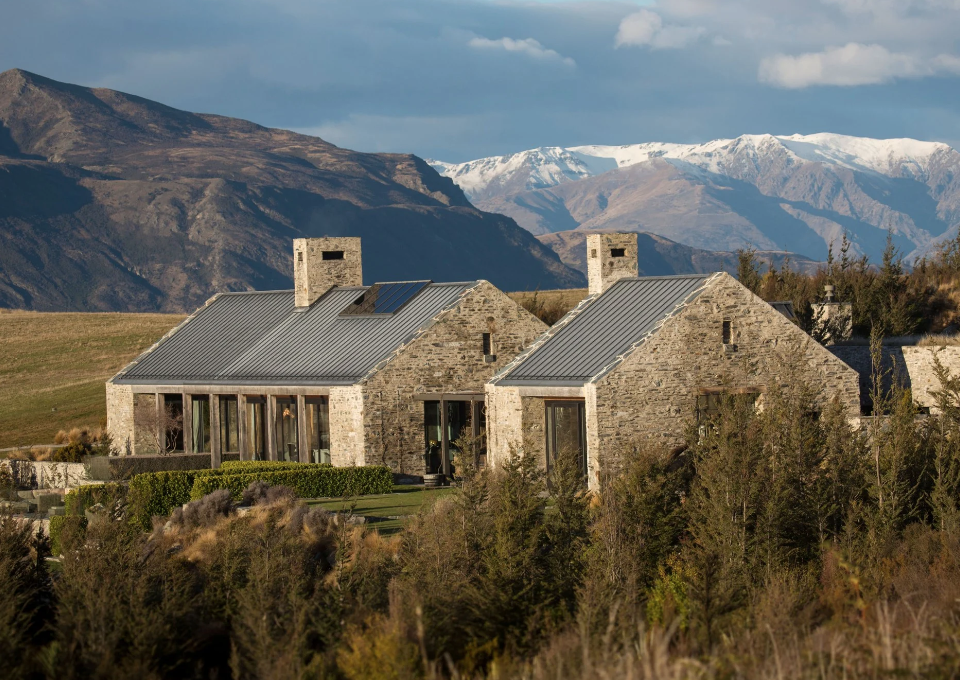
x: 641, y: 358
x: 332, y: 371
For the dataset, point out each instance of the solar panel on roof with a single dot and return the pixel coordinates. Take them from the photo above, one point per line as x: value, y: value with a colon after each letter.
x: 384, y: 298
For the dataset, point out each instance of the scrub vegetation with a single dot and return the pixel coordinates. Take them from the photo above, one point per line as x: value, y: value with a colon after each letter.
x: 54, y: 367
x: 781, y: 542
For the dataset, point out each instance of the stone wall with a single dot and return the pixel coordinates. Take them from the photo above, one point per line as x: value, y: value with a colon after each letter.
x: 603, y: 269
x: 31, y: 474
x: 651, y: 397
x: 313, y: 275
x: 120, y: 417
x: 346, y: 426
x: 919, y: 362
x: 446, y: 358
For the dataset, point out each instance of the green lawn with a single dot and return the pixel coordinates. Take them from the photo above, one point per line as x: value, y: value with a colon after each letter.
x: 395, y: 508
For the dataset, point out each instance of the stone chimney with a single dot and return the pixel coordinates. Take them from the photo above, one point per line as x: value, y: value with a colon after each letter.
x: 319, y: 264
x: 832, y: 320
x: 610, y: 257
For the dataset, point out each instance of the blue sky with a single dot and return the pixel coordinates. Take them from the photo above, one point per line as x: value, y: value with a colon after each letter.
x: 460, y: 79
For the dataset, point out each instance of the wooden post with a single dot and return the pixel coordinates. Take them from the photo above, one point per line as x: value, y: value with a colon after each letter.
x: 302, y: 447
x: 187, y: 423
x: 216, y: 452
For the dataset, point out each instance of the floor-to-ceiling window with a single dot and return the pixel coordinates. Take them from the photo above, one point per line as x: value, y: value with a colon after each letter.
x: 450, y: 425
x: 173, y: 421
x: 201, y: 423
x: 566, y: 433
x: 255, y: 429
x: 287, y: 429
x: 229, y: 424
x: 318, y: 429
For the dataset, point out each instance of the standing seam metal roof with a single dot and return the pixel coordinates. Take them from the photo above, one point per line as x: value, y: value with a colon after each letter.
x: 261, y: 338
x: 605, y: 329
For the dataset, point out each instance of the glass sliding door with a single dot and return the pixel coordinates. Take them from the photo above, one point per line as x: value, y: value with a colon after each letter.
x: 449, y: 425
x: 201, y: 424
x: 287, y: 448
x: 229, y: 424
x: 256, y: 439
x: 566, y: 433
x: 433, y: 434
x: 318, y: 429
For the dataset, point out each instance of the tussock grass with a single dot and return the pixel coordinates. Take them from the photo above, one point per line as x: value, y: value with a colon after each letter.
x: 55, y: 364
x: 549, y: 305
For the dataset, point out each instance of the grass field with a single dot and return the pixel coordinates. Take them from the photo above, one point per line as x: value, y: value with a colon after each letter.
x: 53, y: 368
x: 398, y: 507
x: 550, y: 305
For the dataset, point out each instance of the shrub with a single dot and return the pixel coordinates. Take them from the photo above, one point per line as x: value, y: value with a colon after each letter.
x: 203, y: 513
x: 240, y: 466
x: 65, y: 532
x: 158, y: 493
x: 73, y: 452
x: 83, y: 497
x: 308, y: 481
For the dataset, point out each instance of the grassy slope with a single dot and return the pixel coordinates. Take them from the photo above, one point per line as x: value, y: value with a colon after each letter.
x: 403, y: 503
x: 60, y: 361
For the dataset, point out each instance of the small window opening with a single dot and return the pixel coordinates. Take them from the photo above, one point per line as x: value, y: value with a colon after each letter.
x: 618, y: 252
x: 300, y: 256
x: 332, y: 254
x: 359, y: 300
x: 487, y: 344
x: 727, y: 332
x: 593, y: 252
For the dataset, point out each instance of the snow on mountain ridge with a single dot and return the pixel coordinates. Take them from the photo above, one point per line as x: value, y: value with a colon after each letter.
x: 550, y: 166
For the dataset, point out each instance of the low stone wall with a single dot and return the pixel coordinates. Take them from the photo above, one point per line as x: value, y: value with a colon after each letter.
x: 31, y: 474
x: 117, y: 468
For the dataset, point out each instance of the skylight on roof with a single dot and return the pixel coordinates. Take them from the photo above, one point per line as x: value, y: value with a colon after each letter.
x: 384, y: 298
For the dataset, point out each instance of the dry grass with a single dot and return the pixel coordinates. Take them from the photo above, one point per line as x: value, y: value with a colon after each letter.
x: 550, y: 305
x: 939, y: 341
x: 55, y: 364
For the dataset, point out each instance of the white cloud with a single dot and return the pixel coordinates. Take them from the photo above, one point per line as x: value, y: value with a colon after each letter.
x: 528, y: 46
x: 646, y: 28
x: 852, y: 64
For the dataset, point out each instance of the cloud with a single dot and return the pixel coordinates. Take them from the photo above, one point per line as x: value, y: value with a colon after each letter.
x: 646, y: 28
x: 528, y: 46
x: 850, y: 65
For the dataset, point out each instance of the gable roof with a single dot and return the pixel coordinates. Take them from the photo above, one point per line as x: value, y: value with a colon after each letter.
x: 601, y: 329
x: 260, y: 338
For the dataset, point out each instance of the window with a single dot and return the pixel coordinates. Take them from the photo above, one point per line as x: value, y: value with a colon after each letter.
x: 287, y: 430
x: 229, y: 424
x: 255, y: 445
x: 618, y: 252
x: 332, y: 255
x: 566, y: 433
x: 173, y: 421
x: 201, y: 424
x: 487, y: 344
x: 727, y: 332
x: 318, y: 429
x: 450, y: 427
x: 300, y: 256
x: 593, y: 252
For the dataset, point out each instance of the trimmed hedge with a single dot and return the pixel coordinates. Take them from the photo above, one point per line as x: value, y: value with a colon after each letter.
x: 159, y: 493
x: 60, y: 525
x: 126, y: 467
x: 310, y: 481
x: 79, y: 499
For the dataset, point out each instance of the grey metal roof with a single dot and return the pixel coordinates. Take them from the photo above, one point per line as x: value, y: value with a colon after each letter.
x: 606, y: 327
x: 260, y: 338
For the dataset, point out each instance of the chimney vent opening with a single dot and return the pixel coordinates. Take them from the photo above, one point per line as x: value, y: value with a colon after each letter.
x: 300, y: 256
x: 618, y: 252
x: 332, y: 255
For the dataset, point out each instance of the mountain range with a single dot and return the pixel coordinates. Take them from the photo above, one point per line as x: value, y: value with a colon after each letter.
x: 796, y: 193
x: 109, y: 201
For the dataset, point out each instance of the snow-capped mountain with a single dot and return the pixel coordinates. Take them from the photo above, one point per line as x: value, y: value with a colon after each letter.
x: 797, y: 192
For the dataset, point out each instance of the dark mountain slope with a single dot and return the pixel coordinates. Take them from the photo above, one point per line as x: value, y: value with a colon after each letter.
x: 113, y: 202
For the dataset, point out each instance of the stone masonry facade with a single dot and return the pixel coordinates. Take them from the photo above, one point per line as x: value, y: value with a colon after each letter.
x: 649, y: 398
x: 447, y: 358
